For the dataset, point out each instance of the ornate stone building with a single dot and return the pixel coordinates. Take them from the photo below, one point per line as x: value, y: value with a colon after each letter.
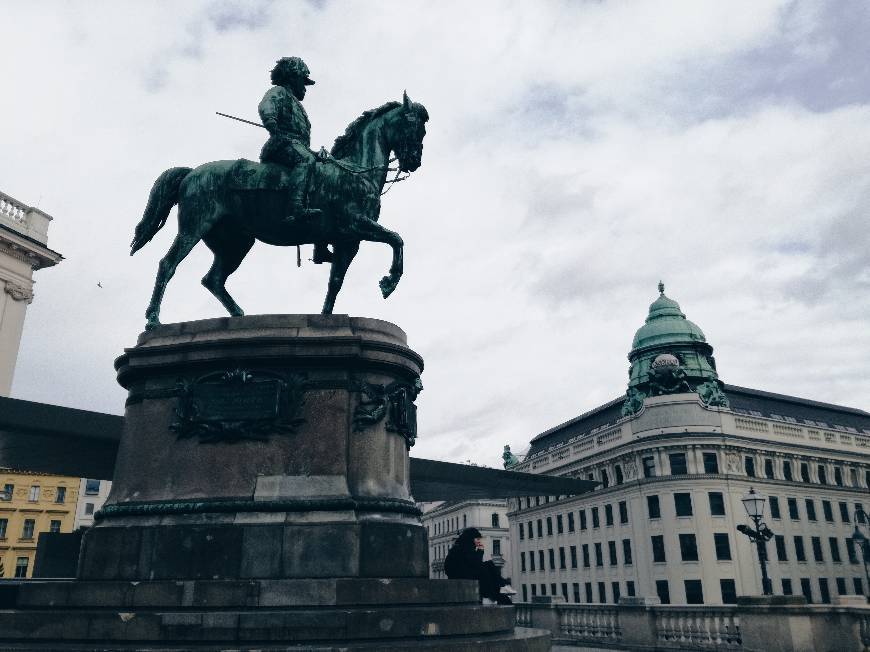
x: 23, y: 249
x: 674, y: 457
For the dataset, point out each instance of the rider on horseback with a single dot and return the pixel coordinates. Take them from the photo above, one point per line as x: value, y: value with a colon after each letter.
x: 289, y: 129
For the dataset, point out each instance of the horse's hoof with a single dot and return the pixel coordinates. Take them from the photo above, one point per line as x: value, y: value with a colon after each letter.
x: 387, y: 286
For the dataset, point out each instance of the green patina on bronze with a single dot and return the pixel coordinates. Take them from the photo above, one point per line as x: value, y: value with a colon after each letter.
x: 294, y: 197
x: 670, y: 355
x: 509, y: 458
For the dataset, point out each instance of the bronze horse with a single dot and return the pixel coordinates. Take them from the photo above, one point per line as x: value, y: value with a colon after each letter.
x: 231, y: 204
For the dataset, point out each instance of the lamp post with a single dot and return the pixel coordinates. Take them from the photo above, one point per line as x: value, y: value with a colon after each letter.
x: 859, y: 538
x: 754, y: 504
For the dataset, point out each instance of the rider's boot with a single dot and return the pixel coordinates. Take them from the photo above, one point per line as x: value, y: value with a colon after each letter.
x: 298, y: 209
x: 322, y: 254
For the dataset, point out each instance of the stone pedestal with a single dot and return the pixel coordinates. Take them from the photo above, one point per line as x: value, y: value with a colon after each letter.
x: 261, y: 501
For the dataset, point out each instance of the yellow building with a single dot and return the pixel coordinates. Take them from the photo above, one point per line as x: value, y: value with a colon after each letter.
x: 31, y: 503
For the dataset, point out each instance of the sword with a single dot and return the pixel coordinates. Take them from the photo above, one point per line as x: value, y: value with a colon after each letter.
x: 232, y: 117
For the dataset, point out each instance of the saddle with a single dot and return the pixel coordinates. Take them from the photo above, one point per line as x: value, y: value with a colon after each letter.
x: 249, y: 175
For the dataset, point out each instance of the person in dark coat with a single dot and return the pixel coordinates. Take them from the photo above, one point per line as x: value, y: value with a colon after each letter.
x: 465, y: 562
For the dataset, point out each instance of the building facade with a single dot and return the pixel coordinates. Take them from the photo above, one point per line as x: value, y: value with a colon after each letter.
x: 92, y: 494
x: 674, y: 457
x: 31, y: 503
x: 23, y: 249
x: 446, y: 520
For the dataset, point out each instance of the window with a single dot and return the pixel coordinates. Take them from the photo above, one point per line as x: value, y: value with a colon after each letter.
x: 565, y: 591
x: 586, y: 555
x: 768, y: 468
x: 543, y: 589
x: 89, y: 509
x: 4, y: 523
x: 562, y: 557
x: 60, y: 495
x: 570, y: 521
x: 805, y: 472
x: 774, y: 507
x: 92, y: 487
x: 663, y: 591
x: 723, y: 547
x: 694, y: 591
x: 27, y: 529
x: 844, y: 512
x: 658, y: 548
x: 605, y: 481
x: 494, y: 520
x: 549, y: 526
x: 683, y: 504
x: 623, y: 512
x: 534, y: 590
x: 786, y: 587
x: 34, y: 493
x: 786, y: 471
x: 532, y: 560
x: 522, y: 532
x: 540, y: 529
x: 688, y: 547
x: 711, y: 463
x: 793, y: 509
x: 824, y: 591
x: 582, y: 519
x: 522, y: 562
x: 678, y: 463
x: 496, y: 547
x: 799, y: 552
x: 552, y: 555
x: 823, y: 475
x: 729, y: 591
x: 21, y: 566
x: 588, y: 588
x: 811, y: 509
x: 629, y: 588
x: 860, y: 517
x: 781, y: 554
x: 611, y: 552
x: 827, y: 511
x: 573, y: 556
x: 465, y: 521
x: 595, y: 521
x: 649, y: 467
x: 541, y: 560
x: 841, y: 586
x: 618, y: 471
x: 599, y: 555
x: 614, y: 588
x: 559, y: 527
x: 807, y: 589
x: 858, y: 584
x: 526, y: 592
x: 531, y: 531
x: 608, y: 514
x: 653, y: 507
x: 749, y: 466
x: 817, y: 549
x: 717, y: 503
x: 54, y: 526
x: 575, y: 587
x: 626, y: 552
x: 8, y: 490
x: 835, y: 549
x: 838, y: 480
x: 602, y: 593
x: 850, y: 551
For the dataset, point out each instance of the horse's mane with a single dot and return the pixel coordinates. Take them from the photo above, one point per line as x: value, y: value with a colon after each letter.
x: 343, y: 142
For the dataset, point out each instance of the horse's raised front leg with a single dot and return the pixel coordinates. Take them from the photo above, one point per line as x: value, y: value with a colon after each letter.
x: 366, y: 229
x: 343, y: 254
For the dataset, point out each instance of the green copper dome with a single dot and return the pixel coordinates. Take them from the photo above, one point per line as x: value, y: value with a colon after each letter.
x: 666, y: 324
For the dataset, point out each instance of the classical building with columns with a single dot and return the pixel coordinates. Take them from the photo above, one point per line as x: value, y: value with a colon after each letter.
x: 674, y: 456
x: 23, y: 249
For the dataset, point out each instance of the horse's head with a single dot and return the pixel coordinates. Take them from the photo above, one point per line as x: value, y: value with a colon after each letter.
x: 405, y: 132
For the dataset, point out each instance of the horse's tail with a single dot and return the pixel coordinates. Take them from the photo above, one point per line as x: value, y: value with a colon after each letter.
x: 164, y: 195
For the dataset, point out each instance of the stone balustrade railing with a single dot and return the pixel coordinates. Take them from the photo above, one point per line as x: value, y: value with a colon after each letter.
x: 772, y: 624
x: 12, y: 208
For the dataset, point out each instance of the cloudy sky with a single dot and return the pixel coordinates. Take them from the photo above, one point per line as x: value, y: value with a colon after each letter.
x: 576, y: 154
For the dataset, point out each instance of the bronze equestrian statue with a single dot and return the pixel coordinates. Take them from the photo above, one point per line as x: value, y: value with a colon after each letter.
x: 332, y: 198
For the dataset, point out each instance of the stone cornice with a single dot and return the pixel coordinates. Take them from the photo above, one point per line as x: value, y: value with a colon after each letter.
x: 25, y: 249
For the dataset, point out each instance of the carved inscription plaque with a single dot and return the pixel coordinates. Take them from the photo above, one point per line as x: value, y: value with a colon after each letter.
x: 238, y: 401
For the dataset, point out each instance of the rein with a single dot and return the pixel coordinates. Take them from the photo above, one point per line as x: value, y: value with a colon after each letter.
x: 348, y: 168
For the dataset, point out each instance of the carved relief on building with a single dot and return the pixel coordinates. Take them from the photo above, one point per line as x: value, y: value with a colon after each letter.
x: 18, y: 292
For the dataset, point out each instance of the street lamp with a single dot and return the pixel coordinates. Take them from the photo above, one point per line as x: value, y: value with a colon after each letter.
x: 859, y: 538
x: 754, y: 504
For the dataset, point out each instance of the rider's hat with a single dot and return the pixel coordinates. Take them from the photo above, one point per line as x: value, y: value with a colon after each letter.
x: 295, y: 66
